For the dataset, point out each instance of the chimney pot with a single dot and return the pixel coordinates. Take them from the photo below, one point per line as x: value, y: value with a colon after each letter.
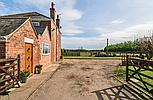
x: 52, y: 11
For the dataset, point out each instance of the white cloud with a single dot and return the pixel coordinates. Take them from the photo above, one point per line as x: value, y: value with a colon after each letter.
x: 118, y: 21
x: 72, y: 29
x: 102, y: 30
x: 87, y: 43
x: 2, y: 4
x: 129, y: 33
x: 99, y: 29
x: 69, y: 16
x: 65, y: 7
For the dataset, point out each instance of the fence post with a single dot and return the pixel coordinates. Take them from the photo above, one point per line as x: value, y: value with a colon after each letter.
x: 123, y: 59
x: 18, y: 66
x: 127, y: 65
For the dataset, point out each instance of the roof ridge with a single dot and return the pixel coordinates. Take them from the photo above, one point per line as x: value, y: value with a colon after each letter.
x: 28, y: 14
x: 8, y: 17
x: 19, y: 13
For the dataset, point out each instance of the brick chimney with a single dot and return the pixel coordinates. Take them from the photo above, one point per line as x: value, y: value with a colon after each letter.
x: 52, y: 11
x: 58, y: 21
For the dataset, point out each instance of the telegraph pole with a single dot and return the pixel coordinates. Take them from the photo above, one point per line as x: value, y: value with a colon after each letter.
x: 107, y: 47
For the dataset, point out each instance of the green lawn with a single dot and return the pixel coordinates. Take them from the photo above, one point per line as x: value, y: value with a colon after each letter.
x: 92, y: 58
x: 122, y: 75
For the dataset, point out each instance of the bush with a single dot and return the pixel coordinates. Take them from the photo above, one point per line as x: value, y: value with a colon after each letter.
x: 24, y: 75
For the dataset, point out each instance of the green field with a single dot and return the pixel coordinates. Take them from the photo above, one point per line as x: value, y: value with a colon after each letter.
x: 92, y: 58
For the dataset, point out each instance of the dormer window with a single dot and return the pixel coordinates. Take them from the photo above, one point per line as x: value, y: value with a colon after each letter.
x: 36, y: 23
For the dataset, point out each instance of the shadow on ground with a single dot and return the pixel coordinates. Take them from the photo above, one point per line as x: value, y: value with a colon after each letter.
x: 116, y: 93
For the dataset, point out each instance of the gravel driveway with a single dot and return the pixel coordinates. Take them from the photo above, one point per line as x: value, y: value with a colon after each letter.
x: 77, y: 79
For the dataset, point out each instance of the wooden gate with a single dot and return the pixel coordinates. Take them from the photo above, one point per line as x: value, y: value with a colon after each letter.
x: 139, y: 75
x: 29, y: 57
x: 9, y: 73
x: 138, y: 84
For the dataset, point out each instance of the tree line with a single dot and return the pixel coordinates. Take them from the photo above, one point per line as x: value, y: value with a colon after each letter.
x: 79, y: 50
x: 124, y: 47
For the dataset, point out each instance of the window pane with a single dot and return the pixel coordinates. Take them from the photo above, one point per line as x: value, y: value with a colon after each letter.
x: 46, y: 48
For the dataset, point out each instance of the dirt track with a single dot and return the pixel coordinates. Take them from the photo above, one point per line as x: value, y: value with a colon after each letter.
x: 77, y: 79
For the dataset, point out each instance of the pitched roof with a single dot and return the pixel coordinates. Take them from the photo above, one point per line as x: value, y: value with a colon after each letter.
x: 8, y: 25
x: 35, y: 16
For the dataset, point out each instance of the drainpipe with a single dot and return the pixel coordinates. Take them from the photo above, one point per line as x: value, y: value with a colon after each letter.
x: 56, y: 44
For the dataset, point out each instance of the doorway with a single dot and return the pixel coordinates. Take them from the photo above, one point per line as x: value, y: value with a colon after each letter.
x: 29, y: 57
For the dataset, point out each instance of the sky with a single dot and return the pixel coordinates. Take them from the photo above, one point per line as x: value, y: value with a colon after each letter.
x: 88, y: 23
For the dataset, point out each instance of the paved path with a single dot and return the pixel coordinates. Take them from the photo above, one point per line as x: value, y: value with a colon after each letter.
x: 32, y: 85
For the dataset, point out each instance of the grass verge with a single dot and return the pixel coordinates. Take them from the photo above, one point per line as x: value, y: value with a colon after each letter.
x: 121, y: 74
x: 92, y: 58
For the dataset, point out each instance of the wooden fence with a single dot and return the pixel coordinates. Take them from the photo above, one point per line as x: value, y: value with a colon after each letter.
x: 141, y: 55
x: 9, y: 73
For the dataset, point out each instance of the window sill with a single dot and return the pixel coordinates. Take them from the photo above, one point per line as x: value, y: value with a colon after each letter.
x: 46, y: 54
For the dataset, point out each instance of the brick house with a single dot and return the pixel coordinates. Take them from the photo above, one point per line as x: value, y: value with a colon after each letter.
x: 36, y: 37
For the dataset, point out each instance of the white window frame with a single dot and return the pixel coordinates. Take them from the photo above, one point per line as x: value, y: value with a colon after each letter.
x: 48, y: 49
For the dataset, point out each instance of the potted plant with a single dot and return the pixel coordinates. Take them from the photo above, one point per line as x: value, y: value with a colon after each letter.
x: 38, y: 69
x: 24, y: 75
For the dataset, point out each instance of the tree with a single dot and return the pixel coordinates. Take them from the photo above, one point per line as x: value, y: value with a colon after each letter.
x: 124, y: 47
x: 146, y: 45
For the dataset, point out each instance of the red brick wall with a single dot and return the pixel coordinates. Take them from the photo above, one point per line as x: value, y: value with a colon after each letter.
x: 45, y: 60
x: 16, y: 45
x: 59, y: 45
x: 55, y: 36
x: 52, y: 30
x: 53, y: 42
